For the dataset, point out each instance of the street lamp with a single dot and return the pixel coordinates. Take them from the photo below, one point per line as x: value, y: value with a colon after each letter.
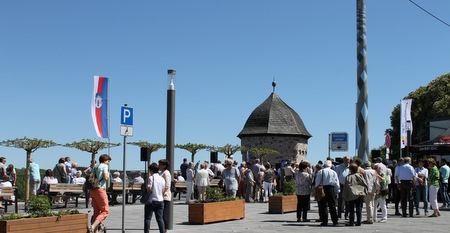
x: 170, y: 138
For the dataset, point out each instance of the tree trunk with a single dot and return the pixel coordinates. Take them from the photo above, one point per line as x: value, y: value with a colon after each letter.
x: 193, y: 158
x: 149, y: 158
x: 27, y: 179
x: 93, y: 160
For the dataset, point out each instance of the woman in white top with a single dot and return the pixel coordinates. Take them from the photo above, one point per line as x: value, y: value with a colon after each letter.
x: 78, y: 179
x: 156, y: 184
x: 189, y: 182
x: 49, y: 178
x: 5, y: 183
x: 165, y: 173
x: 202, y: 182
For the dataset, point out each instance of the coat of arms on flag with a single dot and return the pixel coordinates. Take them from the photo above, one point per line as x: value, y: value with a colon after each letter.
x: 99, y: 106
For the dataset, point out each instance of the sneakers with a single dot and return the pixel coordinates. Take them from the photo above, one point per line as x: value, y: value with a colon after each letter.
x: 383, y: 221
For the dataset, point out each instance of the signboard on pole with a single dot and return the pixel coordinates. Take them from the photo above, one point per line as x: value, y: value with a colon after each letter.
x: 339, y: 141
x: 387, y: 141
x: 126, y: 121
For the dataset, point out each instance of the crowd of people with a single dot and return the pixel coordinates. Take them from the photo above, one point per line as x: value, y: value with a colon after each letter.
x: 348, y: 186
x: 345, y: 187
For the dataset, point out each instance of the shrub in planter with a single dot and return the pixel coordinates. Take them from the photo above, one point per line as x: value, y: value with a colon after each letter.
x: 217, y: 208
x: 41, y: 218
x: 285, y: 201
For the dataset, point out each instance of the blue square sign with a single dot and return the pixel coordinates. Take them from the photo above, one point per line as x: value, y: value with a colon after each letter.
x: 126, y: 116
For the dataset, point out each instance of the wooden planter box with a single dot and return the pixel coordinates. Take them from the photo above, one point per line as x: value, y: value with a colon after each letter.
x: 202, y: 213
x: 282, y: 204
x: 76, y: 223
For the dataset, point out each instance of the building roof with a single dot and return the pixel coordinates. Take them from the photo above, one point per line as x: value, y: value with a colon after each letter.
x: 274, y: 117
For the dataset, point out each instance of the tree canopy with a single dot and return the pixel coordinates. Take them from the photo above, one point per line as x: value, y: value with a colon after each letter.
x: 193, y: 148
x: 30, y: 145
x: 151, y: 146
x: 429, y: 102
x: 261, y: 152
x: 91, y: 146
x: 229, y: 150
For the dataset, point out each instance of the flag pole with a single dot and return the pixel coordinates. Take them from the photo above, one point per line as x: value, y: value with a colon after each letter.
x: 109, y: 117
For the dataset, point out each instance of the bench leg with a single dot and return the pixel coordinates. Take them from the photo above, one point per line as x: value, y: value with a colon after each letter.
x: 76, y: 201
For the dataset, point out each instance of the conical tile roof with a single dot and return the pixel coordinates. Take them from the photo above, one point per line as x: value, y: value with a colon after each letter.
x: 274, y: 117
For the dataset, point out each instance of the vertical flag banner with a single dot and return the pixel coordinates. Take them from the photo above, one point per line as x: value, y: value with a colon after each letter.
x: 405, y: 116
x: 99, y: 106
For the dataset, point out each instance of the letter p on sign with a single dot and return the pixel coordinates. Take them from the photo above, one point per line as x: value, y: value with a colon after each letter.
x: 126, y: 117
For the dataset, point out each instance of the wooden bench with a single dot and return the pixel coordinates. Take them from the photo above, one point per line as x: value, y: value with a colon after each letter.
x: 214, y: 183
x: 180, y: 187
x: 130, y: 187
x: 11, y: 193
x: 67, y: 191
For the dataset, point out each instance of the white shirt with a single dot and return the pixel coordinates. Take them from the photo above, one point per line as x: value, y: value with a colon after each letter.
x: 180, y: 178
x: 49, y: 180
x: 79, y: 180
x: 156, y: 183
x: 138, y: 180
x: 202, y: 178
x: 6, y: 184
x: 117, y: 179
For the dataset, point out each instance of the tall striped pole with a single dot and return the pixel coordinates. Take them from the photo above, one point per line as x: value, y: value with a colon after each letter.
x: 362, y: 104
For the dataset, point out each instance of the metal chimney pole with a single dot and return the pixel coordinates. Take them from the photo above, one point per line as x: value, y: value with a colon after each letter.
x: 170, y: 139
x: 362, y: 103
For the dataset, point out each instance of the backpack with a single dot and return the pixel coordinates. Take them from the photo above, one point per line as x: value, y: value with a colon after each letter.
x: 91, y: 181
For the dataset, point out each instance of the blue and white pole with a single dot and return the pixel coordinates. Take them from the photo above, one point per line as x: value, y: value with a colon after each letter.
x: 362, y: 103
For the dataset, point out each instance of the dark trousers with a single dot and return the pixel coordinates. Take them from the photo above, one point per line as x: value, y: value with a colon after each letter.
x: 249, y: 188
x: 341, y: 206
x: 407, y: 197
x: 329, y: 202
x: 166, y: 214
x: 302, y: 206
x: 158, y: 208
x: 397, y: 198
x: 358, y: 205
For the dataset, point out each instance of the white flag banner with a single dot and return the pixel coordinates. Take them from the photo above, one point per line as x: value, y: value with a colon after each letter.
x: 405, y: 121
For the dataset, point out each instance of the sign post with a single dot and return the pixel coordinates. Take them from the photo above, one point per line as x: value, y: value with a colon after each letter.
x: 126, y: 129
x: 387, y: 142
x: 339, y: 141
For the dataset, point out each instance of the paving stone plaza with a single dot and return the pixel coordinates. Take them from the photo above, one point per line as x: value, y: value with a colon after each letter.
x: 257, y: 219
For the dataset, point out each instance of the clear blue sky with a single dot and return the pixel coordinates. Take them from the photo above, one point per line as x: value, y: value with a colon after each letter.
x: 226, y: 54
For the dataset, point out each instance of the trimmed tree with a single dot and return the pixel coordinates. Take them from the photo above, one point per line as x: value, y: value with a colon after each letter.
x: 151, y: 146
x: 91, y: 146
x: 261, y: 152
x: 193, y: 148
x: 229, y: 150
x: 30, y: 146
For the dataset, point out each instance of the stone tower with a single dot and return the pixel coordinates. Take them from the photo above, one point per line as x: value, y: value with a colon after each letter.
x: 274, y: 125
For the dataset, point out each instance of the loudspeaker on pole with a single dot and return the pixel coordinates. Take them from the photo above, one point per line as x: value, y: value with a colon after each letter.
x: 213, y: 157
x: 145, y: 154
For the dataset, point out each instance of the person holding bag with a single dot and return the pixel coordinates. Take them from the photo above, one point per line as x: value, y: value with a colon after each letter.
x: 355, y: 188
x: 98, y: 194
x: 155, y: 202
x: 330, y: 181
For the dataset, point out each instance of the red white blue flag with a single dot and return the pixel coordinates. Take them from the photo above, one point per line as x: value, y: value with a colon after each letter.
x: 99, y: 106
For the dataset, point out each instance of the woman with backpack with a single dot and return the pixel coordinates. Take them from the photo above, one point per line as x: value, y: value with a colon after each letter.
x: 99, y: 196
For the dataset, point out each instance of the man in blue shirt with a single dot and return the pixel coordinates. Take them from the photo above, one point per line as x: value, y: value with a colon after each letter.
x: 406, y: 182
x: 329, y: 179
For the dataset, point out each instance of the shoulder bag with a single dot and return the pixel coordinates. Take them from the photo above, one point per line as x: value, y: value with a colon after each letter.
x: 146, y: 198
x: 320, y: 193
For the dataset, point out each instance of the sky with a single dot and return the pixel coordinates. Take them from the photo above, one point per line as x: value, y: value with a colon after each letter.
x: 226, y: 54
